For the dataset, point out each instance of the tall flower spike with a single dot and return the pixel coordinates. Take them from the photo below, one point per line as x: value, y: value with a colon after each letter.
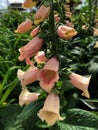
x: 48, y: 75
x: 42, y: 13
x: 24, y: 26
x: 50, y: 110
x: 27, y: 97
x: 66, y: 32
x: 81, y: 83
x: 31, y: 48
x: 27, y: 77
x: 29, y: 3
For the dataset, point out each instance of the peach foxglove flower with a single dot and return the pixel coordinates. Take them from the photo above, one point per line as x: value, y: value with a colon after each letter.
x: 42, y: 13
x: 24, y: 26
x: 31, y: 48
x: 81, y: 83
x: 66, y: 32
x: 48, y: 75
x: 50, y: 110
x: 27, y: 97
x: 40, y: 57
x: 35, y: 31
x: 29, y: 3
x: 27, y: 77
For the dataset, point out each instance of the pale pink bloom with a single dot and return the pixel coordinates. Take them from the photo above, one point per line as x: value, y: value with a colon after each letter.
x: 42, y: 13
x: 66, y: 32
x: 40, y: 57
x: 24, y: 26
x: 48, y: 75
x: 35, y: 31
x: 27, y: 97
x: 29, y: 3
x: 50, y: 111
x: 80, y: 82
x: 27, y: 77
x: 31, y: 48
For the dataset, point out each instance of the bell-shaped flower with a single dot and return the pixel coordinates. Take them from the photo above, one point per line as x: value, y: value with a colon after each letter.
x: 50, y: 111
x: 35, y: 31
x: 42, y: 13
x: 40, y: 57
x: 81, y: 83
x: 24, y: 26
x: 31, y: 48
x: 66, y: 32
x: 27, y: 97
x: 29, y: 3
x: 27, y: 77
x: 48, y: 75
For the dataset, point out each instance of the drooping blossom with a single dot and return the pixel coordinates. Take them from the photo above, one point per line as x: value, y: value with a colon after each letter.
x: 48, y: 75
x: 42, y: 13
x: 35, y: 31
x: 31, y: 48
x: 66, y: 32
x: 27, y: 97
x: 27, y: 77
x: 81, y: 83
x: 24, y: 26
x: 50, y: 111
x: 40, y: 57
x: 29, y: 3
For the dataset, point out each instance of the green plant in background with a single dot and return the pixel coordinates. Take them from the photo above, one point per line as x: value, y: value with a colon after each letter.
x: 9, y: 44
x: 76, y: 54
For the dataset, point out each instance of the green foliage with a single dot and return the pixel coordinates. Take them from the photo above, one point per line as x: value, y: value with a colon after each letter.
x: 78, y: 119
x: 8, y: 116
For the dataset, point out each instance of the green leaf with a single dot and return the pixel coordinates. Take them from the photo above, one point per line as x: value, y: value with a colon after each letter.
x: 8, y: 116
x: 93, y: 65
x: 78, y: 119
x: 28, y: 116
x: 63, y: 126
